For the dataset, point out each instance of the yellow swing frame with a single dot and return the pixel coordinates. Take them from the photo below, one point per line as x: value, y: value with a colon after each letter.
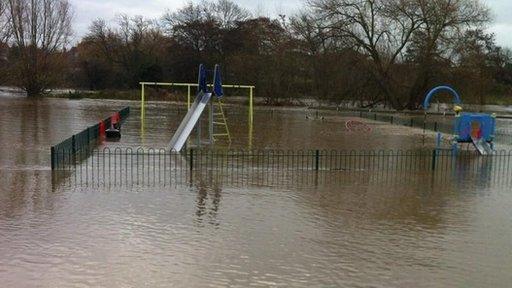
x: 189, y: 86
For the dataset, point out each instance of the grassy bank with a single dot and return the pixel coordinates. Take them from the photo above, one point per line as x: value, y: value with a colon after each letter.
x: 497, y: 100
x: 102, y: 94
x: 181, y: 96
x: 150, y: 95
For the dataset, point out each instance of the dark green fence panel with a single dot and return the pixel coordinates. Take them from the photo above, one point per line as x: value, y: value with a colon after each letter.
x: 122, y: 166
x: 76, y: 147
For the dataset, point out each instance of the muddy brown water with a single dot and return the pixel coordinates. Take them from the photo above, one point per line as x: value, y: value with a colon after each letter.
x: 342, y: 230
x: 275, y: 128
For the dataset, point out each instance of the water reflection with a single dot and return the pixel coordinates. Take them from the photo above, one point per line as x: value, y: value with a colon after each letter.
x: 207, y: 204
x: 244, y: 227
x: 24, y: 191
x: 380, y: 195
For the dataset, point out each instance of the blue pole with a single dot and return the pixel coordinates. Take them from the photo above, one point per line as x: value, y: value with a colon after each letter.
x: 439, y: 140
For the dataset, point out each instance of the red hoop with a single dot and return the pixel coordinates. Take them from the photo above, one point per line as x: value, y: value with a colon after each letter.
x: 357, y: 126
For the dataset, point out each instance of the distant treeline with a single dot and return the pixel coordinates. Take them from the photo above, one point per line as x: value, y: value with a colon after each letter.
x: 368, y: 51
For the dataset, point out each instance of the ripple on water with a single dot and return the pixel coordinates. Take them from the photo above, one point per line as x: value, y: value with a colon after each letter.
x: 358, y: 232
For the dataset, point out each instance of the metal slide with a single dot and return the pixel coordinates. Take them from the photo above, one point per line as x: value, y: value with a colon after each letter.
x: 189, y: 122
x: 482, y: 146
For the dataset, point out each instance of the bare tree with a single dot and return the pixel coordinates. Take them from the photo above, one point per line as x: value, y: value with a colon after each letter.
x: 40, y: 30
x: 131, y: 49
x: 227, y: 13
x: 4, y: 28
x: 188, y: 14
x: 385, y: 29
x: 4, y: 33
x: 443, y: 25
x: 196, y: 27
x: 310, y: 30
x: 379, y: 28
x: 223, y: 12
x: 141, y: 43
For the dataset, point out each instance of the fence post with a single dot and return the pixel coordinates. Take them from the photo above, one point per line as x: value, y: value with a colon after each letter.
x: 52, y: 153
x: 73, y: 148
x: 317, y: 160
x: 88, y: 137
x: 435, y: 126
x: 191, y: 159
x: 434, y: 158
x: 188, y: 97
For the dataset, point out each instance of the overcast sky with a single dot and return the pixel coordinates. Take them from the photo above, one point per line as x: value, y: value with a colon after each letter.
x: 88, y: 10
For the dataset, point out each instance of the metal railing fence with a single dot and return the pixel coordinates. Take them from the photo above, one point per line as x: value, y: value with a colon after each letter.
x: 278, y: 160
x: 143, y: 166
x: 65, y: 152
x: 502, y: 135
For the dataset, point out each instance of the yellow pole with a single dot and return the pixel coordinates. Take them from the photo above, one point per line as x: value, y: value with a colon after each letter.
x: 251, y: 116
x: 250, y: 137
x: 142, y: 101
x: 188, y: 97
x: 142, y: 112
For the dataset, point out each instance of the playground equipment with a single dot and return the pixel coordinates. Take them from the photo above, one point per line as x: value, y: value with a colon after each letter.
x: 196, y: 109
x: 189, y: 86
x: 475, y: 128
x: 114, y: 132
x: 357, y: 126
x: 220, y: 112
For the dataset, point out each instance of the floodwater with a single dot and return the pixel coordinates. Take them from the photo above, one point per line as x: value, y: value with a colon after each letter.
x: 339, y: 230
x: 275, y: 128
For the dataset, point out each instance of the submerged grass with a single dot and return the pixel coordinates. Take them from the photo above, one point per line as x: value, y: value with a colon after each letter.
x: 101, y: 94
x: 177, y: 95
x: 135, y: 95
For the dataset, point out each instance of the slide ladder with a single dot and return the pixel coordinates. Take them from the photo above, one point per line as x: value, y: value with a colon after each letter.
x: 222, y: 123
x: 482, y: 146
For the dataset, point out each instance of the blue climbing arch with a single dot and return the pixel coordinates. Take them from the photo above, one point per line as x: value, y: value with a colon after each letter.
x: 456, y: 97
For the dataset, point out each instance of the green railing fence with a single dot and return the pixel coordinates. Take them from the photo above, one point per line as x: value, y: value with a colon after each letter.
x: 128, y: 159
x: 503, y: 135
x: 127, y: 165
x: 66, y: 151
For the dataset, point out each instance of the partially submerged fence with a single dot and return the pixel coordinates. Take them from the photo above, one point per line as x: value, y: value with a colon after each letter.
x: 503, y: 135
x: 65, y: 152
x: 293, y: 160
x: 135, y: 166
x: 155, y: 177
